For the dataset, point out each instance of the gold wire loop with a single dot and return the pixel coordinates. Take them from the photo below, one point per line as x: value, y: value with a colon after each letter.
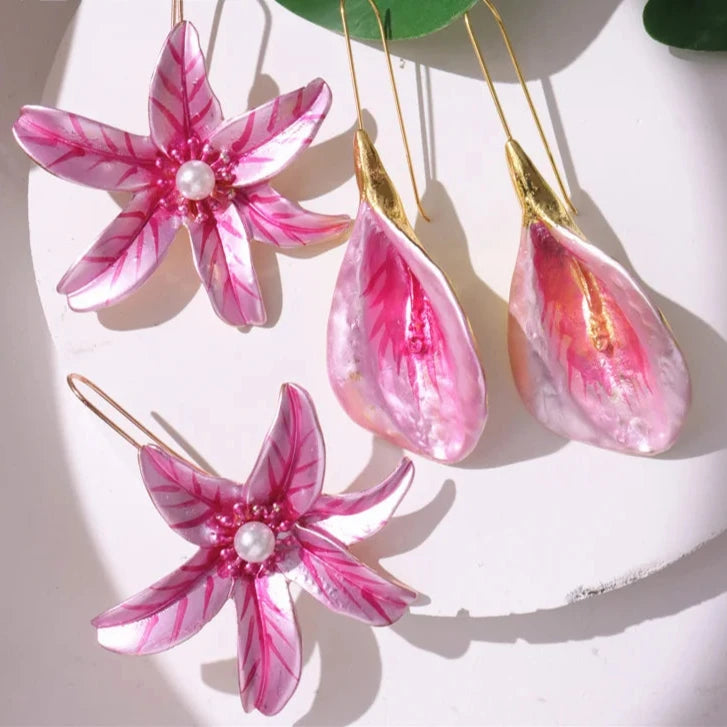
x: 177, y: 12
x: 392, y: 79
x: 75, y: 379
x: 493, y: 92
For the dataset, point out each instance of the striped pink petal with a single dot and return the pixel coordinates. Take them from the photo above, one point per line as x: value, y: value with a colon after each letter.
x: 265, y: 140
x: 167, y: 613
x: 401, y: 356
x: 127, y: 253
x: 269, y: 659
x: 181, y: 102
x: 290, y: 467
x: 358, y: 515
x: 592, y: 357
x: 222, y: 256
x: 85, y: 151
x: 342, y: 583
x: 274, y: 219
x: 185, y: 497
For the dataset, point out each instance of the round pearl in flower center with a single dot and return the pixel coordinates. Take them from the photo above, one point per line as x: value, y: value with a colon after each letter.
x: 254, y: 542
x: 195, y: 180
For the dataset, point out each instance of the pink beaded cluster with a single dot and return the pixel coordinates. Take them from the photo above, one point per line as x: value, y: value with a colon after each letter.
x: 225, y: 526
x: 190, y: 150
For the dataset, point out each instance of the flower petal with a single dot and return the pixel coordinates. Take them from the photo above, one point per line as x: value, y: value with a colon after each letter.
x: 268, y: 659
x: 181, y: 102
x: 358, y: 515
x: 401, y: 357
x: 222, y: 256
x: 85, y: 151
x: 292, y: 461
x: 127, y: 253
x: 341, y: 582
x: 264, y: 141
x: 273, y: 218
x: 167, y: 613
x: 592, y: 357
x: 185, y: 497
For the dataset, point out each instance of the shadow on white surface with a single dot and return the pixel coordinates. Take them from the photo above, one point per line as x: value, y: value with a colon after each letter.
x: 564, y: 27
x: 53, y: 670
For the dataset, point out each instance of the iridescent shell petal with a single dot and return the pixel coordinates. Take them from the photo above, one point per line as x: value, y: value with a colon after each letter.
x: 592, y: 357
x: 401, y: 356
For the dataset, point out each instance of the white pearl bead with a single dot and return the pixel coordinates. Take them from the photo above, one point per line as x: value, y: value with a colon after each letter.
x: 254, y: 542
x: 195, y: 180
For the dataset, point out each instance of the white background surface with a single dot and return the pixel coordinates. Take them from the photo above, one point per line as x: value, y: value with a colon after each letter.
x: 528, y: 521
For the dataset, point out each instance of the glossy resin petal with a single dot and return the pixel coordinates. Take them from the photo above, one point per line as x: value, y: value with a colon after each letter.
x: 304, y: 534
x: 401, y: 357
x: 194, y: 169
x: 592, y: 357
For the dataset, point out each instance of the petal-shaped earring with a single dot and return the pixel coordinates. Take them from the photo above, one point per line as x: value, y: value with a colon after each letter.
x: 195, y: 169
x: 401, y: 355
x: 253, y: 539
x: 592, y: 357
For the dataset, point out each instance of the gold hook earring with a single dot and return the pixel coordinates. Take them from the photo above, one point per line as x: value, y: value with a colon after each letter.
x: 592, y: 357
x: 523, y: 85
x: 401, y: 354
x: 392, y: 79
x: 177, y: 12
x: 74, y: 380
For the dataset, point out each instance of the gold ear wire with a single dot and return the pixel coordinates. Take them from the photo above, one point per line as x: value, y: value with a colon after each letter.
x: 496, y: 99
x: 177, y: 12
x: 75, y: 379
x: 397, y: 103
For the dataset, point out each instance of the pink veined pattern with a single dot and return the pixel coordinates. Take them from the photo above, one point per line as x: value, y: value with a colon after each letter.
x: 186, y: 125
x: 401, y: 356
x: 269, y: 658
x: 359, y: 515
x: 402, y: 317
x: 256, y: 137
x: 181, y: 102
x: 131, y: 247
x: 282, y: 490
x: 168, y: 612
x: 222, y: 256
x: 186, y: 497
x: 343, y: 583
x: 273, y: 218
x: 292, y: 460
x: 81, y: 150
x: 586, y: 325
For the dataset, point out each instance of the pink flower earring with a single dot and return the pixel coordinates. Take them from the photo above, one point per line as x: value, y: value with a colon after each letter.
x: 252, y: 540
x: 593, y: 358
x: 195, y: 169
x: 401, y: 355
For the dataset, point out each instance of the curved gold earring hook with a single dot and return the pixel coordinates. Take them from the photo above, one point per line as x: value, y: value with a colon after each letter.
x: 521, y: 78
x: 397, y: 103
x: 177, y: 12
x: 75, y: 379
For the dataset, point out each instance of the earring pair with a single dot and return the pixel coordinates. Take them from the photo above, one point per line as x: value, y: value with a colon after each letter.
x: 593, y: 359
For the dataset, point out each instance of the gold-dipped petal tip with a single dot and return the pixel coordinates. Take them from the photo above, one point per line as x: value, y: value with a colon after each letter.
x: 537, y: 198
x: 376, y: 186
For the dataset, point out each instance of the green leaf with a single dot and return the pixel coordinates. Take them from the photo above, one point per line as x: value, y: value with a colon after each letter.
x: 402, y: 18
x: 691, y: 24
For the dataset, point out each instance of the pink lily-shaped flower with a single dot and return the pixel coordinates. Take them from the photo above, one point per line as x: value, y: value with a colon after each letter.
x: 194, y: 169
x: 253, y: 538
